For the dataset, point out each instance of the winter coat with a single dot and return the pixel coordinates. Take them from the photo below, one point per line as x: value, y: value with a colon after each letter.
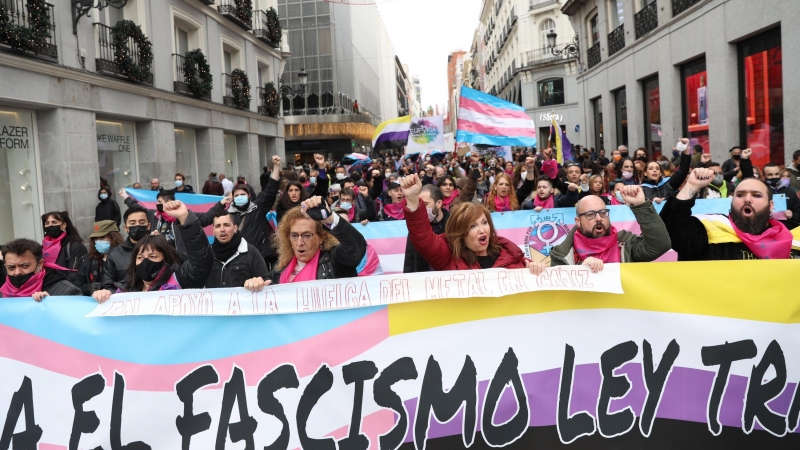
x: 71, y: 257
x: 649, y: 246
x: 436, y: 250
x: 186, y: 190
x: 159, y: 225
x: 670, y: 184
x: 272, y: 193
x: 252, y: 223
x: 212, y: 187
x: 414, y: 262
x: 245, y: 264
x: 116, y: 265
x: 342, y: 260
x: 107, y: 209
x: 90, y: 275
x: 794, y: 180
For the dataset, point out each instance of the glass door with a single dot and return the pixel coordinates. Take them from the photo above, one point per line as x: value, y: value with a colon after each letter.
x: 20, y: 209
x: 186, y: 156
x: 116, y: 156
x: 231, y: 161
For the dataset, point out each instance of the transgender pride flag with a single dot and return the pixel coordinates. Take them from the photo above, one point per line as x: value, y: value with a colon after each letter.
x: 486, y: 119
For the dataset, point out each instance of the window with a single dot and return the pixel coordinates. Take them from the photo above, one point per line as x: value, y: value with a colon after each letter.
x: 616, y: 15
x: 19, y: 186
x: 181, y: 41
x: 546, y: 27
x: 621, y: 105
x: 231, y: 160
x: 594, y: 30
x: 694, y: 87
x: 110, y: 16
x: 551, y: 92
x: 761, y: 97
x: 116, y: 155
x: 652, y: 116
x: 186, y: 155
x: 643, y: 3
x: 226, y: 61
x: 597, y: 105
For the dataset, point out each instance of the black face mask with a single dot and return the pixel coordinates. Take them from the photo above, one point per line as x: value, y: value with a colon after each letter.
x: 774, y: 182
x: 18, y: 280
x: 137, y: 233
x: 736, y: 157
x: 160, y: 207
x: 147, y: 269
x: 53, y: 231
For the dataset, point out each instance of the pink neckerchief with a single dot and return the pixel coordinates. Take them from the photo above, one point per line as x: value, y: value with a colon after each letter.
x: 307, y: 273
x: 395, y: 210
x: 448, y: 200
x: 502, y: 205
x: 33, y: 285
x: 351, y: 213
x: 51, y: 248
x: 550, y: 168
x: 546, y: 204
x: 603, y: 248
x: 614, y: 200
x: 775, y: 243
x: 165, y: 217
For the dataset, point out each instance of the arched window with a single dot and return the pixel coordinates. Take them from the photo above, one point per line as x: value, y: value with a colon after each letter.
x: 547, y: 26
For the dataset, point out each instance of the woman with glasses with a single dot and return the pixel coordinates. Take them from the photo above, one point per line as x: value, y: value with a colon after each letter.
x: 314, y: 244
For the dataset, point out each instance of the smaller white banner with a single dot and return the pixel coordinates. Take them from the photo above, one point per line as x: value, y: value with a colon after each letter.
x: 345, y: 293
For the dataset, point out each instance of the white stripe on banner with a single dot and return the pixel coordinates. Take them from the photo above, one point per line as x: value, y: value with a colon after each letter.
x: 474, y: 116
x: 346, y: 293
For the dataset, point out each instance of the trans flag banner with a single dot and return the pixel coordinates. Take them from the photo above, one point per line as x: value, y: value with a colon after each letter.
x: 685, y: 358
x: 488, y: 120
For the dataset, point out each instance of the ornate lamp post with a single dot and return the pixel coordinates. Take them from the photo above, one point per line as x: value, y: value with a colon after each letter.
x: 291, y: 92
x: 569, y: 50
x: 81, y: 8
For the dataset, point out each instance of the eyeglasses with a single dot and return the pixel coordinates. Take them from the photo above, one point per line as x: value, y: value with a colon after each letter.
x: 590, y: 215
x: 306, y: 237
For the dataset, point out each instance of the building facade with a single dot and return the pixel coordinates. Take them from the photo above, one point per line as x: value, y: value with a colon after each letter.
x: 455, y: 66
x: 402, y: 87
x: 709, y: 70
x: 111, y: 102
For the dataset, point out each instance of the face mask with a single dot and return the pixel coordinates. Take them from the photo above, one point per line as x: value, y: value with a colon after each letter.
x: 617, y: 158
x: 675, y: 153
x: 431, y: 215
x: 312, y: 180
x: 178, y: 183
x: 627, y: 175
x: 18, y: 280
x: 103, y: 196
x: 624, y: 154
x: 160, y: 207
x: 387, y: 174
x: 102, y: 247
x: 345, y: 205
x: 618, y: 196
x: 53, y: 231
x: 340, y: 176
x: 717, y: 181
x: 736, y: 157
x: 147, y: 269
x: 584, y: 187
x: 784, y: 183
x: 240, y: 200
x: 136, y: 233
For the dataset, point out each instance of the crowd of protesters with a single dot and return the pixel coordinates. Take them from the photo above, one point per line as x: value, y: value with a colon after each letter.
x: 300, y: 225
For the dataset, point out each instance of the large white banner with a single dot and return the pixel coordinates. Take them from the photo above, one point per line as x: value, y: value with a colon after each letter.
x: 425, y: 135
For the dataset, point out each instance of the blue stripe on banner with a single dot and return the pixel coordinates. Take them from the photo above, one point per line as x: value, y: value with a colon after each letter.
x: 488, y: 139
x: 132, y: 339
x: 189, y: 199
x: 491, y: 100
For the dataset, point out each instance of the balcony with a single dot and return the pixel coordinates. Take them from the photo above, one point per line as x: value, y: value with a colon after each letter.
x: 236, y: 12
x: 20, y: 24
x: 536, y: 4
x: 646, y: 20
x: 679, y: 6
x: 593, y: 55
x: 106, y: 60
x: 616, y: 40
x: 181, y: 84
x: 261, y: 29
x: 546, y: 56
x: 227, y: 91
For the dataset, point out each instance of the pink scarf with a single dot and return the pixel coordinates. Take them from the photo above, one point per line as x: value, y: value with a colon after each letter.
x: 614, y: 200
x: 51, y: 248
x: 166, y: 217
x: 502, y: 205
x: 307, y: 273
x: 546, y: 204
x: 775, y: 243
x: 351, y: 213
x: 550, y: 168
x: 33, y: 285
x: 448, y: 200
x: 603, y: 248
x: 395, y: 210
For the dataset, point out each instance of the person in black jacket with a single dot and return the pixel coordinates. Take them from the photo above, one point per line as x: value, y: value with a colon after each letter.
x: 107, y: 208
x: 264, y: 178
x: 293, y: 193
x: 27, y: 274
x: 360, y: 208
x: 181, y: 186
x: 156, y: 266
x: 772, y: 176
x: 656, y: 188
x: 62, y: 245
x: 160, y: 222
x: 103, y: 239
x: 325, y: 249
x: 137, y: 225
x: 433, y: 199
x: 236, y: 262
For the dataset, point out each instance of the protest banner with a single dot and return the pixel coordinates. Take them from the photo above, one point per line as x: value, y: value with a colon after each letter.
x: 489, y: 152
x: 425, y: 135
x: 686, y: 359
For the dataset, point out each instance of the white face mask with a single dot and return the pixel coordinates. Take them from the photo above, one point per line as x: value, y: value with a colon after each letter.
x: 584, y: 187
x: 340, y: 176
x: 431, y: 215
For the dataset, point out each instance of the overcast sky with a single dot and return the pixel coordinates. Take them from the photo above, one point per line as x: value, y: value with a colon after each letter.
x: 424, y: 32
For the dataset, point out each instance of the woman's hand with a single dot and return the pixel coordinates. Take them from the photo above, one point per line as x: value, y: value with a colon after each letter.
x: 411, y: 186
x: 536, y: 268
x: 256, y: 284
x: 101, y: 296
x: 39, y: 296
x: 595, y: 264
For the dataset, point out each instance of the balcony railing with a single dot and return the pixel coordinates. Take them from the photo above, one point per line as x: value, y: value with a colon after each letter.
x: 207, y: 2
x: 593, y: 55
x: 679, y: 6
x: 261, y: 29
x: 545, y: 55
x: 227, y: 91
x: 19, y: 21
x: 106, y: 61
x: 231, y: 10
x: 541, y: 3
x: 616, y: 40
x: 181, y: 82
x: 646, y: 20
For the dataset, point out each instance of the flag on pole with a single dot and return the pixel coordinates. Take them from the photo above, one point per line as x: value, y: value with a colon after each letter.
x: 486, y: 119
x: 391, y: 134
x: 560, y: 142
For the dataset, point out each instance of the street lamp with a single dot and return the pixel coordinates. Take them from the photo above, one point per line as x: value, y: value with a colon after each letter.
x: 291, y: 92
x: 569, y: 50
x: 81, y: 8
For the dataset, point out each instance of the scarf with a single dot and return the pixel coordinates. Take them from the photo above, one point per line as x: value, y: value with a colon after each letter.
x: 395, y: 210
x: 603, y: 248
x: 165, y: 217
x: 550, y: 168
x: 546, y: 204
x: 33, y: 285
x: 307, y: 273
x: 775, y: 243
x: 51, y: 248
x: 448, y: 200
x: 657, y: 184
x: 223, y: 252
x: 614, y: 200
x: 502, y: 205
x: 351, y: 213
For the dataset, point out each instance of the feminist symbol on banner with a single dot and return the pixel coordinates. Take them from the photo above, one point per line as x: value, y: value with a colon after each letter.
x: 548, y: 230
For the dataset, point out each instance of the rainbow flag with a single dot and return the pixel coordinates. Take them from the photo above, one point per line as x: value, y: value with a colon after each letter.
x: 486, y: 119
x: 391, y: 134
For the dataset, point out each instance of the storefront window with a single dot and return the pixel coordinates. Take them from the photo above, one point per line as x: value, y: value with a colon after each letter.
x: 116, y: 155
x: 621, y: 101
x: 551, y: 92
x: 19, y: 184
x: 695, y: 103
x: 231, y: 162
x: 186, y: 155
x: 761, y: 68
x: 652, y: 116
x: 597, y: 104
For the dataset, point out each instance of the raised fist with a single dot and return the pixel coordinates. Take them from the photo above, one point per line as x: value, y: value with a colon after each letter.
x: 705, y: 158
x: 747, y: 153
x: 700, y: 178
x: 319, y: 159
x: 276, y: 161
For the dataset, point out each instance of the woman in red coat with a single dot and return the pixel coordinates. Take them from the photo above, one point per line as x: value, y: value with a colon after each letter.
x: 469, y: 240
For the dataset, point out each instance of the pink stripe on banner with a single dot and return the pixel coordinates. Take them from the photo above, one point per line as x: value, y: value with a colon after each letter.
x: 333, y: 347
x: 373, y: 425
x: 43, y: 446
x: 475, y: 127
x: 388, y: 246
x: 489, y: 110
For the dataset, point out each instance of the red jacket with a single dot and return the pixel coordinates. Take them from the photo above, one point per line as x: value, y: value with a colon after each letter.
x: 436, y: 250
